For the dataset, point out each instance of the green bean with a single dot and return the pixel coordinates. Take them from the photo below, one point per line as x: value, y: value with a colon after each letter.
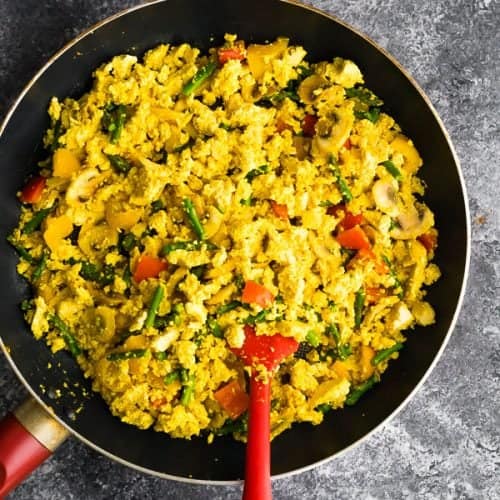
x: 189, y: 246
x: 57, y: 132
x: 157, y: 205
x: 42, y: 264
x: 343, y: 351
x: 67, y: 335
x: 201, y: 76
x: 133, y: 354
x: 247, y: 202
x: 240, y: 425
x: 341, y: 183
x: 359, y: 303
x: 214, y: 328
x: 260, y: 317
x: 34, y: 223
x: 153, y: 308
x: 228, y: 307
x: 312, y: 338
x: 172, y: 377
x: 187, y: 380
x: 120, y: 164
x: 193, y: 218
x: 394, y: 276
x: 198, y: 271
x: 21, y: 251
x: 252, y: 174
x: 323, y: 408
x: 386, y: 353
x: 161, y: 355
x: 113, y: 120
x: 392, y: 169
x: 332, y: 330
x: 358, y: 391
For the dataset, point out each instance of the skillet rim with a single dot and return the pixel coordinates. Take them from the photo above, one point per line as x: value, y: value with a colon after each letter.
x: 458, y: 306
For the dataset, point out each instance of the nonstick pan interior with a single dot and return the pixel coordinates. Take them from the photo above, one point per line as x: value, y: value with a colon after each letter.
x: 203, y: 23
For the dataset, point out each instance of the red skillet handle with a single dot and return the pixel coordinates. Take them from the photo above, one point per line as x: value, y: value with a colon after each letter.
x: 258, y: 451
x: 27, y: 438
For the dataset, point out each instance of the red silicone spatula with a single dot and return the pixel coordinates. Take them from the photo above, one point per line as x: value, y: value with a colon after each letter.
x: 267, y: 351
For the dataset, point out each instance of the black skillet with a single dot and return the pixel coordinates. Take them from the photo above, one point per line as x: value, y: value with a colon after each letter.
x: 83, y: 413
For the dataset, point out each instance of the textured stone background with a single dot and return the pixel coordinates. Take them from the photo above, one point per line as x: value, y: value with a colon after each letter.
x: 445, y: 443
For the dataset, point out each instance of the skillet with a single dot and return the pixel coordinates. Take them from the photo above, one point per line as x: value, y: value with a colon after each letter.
x: 203, y: 23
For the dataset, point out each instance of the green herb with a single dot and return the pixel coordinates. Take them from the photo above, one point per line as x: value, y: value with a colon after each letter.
x: 193, y: 218
x: 364, y: 96
x: 113, y: 120
x: 239, y: 281
x: 248, y: 202
x: 201, y: 76
x: 21, y: 251
x: 394, y: 276
x: 341, y: 183
x: 373, y: 114
x: 127, y: 242
x: 359, y: 390
x: 172, y: 377
x: 252, y: 174
x: 386, y: 353
x: 343, y: 351
x: 67, y: 335
x: 121, y: 356
x: 214, y: 328
x: 153, y: 307
x: 359, y: 303
x: 102, y: 276
x: 240, y: 426
x: 27, y: 305
x: 392, y: 169
x: 226, y: 127
x: 42, y: 264
x: 312, y: 338
x: 161, y: 355
x: 189, y: 246
x: 157, y: 205
x: 35, y: 222
x: 119, y: 163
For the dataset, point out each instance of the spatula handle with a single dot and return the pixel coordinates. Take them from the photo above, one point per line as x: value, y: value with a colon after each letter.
x: 258, y: 451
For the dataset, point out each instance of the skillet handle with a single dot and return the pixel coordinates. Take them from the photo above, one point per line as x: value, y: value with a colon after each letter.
x: 28, y: 436
x: 258, y: 452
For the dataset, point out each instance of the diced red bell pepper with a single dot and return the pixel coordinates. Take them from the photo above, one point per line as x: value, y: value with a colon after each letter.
x: 232, y: 398
x: 253, y: 293
x: 281, y: 126
x: 309, y: 125
x: 280, y: 210
x: 33, y: 191
x: 429, y: 240
x: 354, y: 239
x: 349, y: 220
x: 374, y: 294
x: 347, y: 144
x: 230, y: 53
x: 149, y: 267
x: 368, y: 254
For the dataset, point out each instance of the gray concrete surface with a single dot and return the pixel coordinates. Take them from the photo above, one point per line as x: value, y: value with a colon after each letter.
x: 445, y: 443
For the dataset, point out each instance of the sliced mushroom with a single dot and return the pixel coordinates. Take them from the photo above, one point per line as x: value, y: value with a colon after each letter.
x: 83, y: 187
x: 339, y: 132
x: 308, y: 87
x: 413, y: 222
x: 385, y: 196
x: 94, y: 240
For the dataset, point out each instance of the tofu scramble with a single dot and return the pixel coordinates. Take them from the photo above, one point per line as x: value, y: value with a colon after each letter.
x: 189, y: 199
